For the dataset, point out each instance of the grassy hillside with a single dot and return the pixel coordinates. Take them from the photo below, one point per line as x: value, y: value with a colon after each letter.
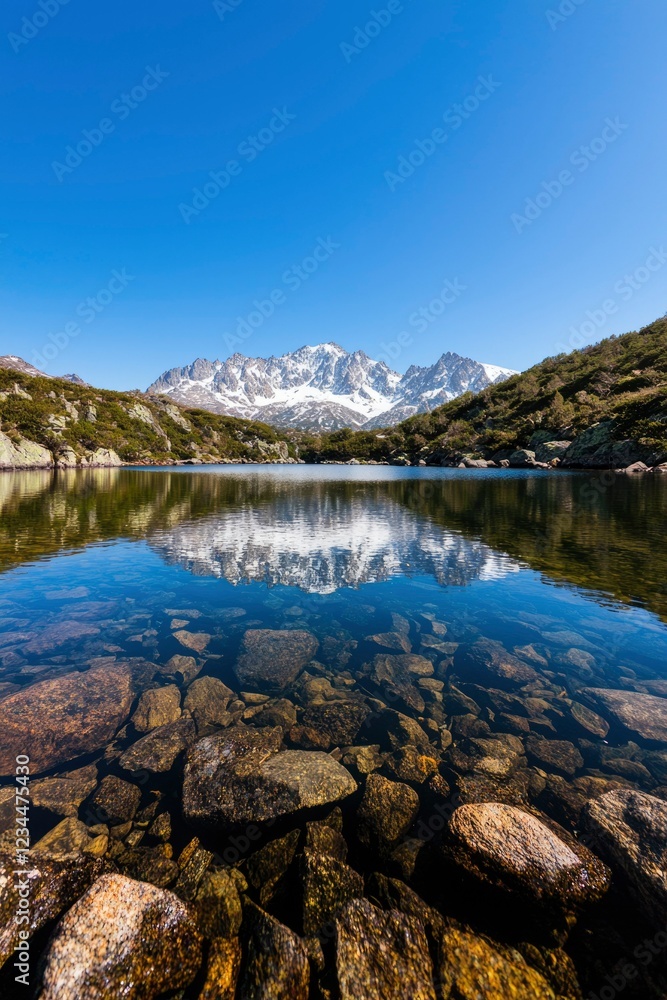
x: 72, y: 420
x: 620, y: 383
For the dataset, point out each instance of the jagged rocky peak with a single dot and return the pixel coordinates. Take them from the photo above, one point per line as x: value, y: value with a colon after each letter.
x: 323, y: 387
x: 17, y: 364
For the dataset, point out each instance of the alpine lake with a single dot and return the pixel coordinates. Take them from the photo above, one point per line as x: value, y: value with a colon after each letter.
x: 334, y: 733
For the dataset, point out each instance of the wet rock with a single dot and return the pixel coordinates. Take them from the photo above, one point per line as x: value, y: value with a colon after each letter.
x: 148, y: 864
x: 277, y: 712
x: 271, y: 660
x: 238, y: 776
x: 643, y: 715
x: 328, y: 884
x: 629, y: 829
x: 397, y: 683
x: 222, y: 972
x: 115, y: 801
x: 381, y: 954
x: 218, y: 905
x: 408, y: 764
x: 510, y: 849
x: 391, y: 640
x: 324, y: 838
x: 268, y: 866
x: 207, y: 700
x: 394, y: 894
x: 69, y: 837
x: 68, y: 716
x: 158, y: 751
x: 362, y: 760
x: 192, y: 865
x: 53, y: 886
x: 400, y: 731
x: 276, y: 963
x: 554, y: 755
x: 122, y: 938
x: 485, y: 661
x: 590, y: 722
x: 54, y: 636
x: 183, y: 669
x: 386, y: 812
x: 338, y: 721
x: 64, y: 793
x: 157, y: 707
x: 471, y: 969
x: 499, y: 757
x: 198, y: 641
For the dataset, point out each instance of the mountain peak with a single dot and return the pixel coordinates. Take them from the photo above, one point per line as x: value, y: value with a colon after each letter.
x: 323, y: 387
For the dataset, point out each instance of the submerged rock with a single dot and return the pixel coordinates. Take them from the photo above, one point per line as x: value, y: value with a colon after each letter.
x: 65, y: 717
x: 276, y: 965
x: 157, y: 752
x: 157, y: 707
x: 207, y: 699
x: 510, y: 849
x: 222, y: 973
x: 64, y: 793
x: 238, y: 776
x: 122, y: 938
x: 338, y: 721
x: 271, y: 660
x: 485, y: 661
x: 629, y: 829
x: 115, y: 801
x: 328, y: 884
x: 386, y: 812
x: 382, y: 954
x: 643, y: 715
x: 470, y: 969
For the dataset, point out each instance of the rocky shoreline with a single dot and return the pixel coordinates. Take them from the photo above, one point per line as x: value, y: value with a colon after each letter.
x: 421, y: 814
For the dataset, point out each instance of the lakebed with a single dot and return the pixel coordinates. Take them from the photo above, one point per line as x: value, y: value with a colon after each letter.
x: 335, y: 732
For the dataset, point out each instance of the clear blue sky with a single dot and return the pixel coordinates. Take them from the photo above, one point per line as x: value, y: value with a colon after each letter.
x: 552, y: 82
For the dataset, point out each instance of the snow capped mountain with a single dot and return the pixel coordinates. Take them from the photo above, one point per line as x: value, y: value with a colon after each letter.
x: 16, y: 364
x: 323, y: 387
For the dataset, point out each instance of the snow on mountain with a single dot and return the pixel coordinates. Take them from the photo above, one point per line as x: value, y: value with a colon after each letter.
x: 323, y: 387
x: 16, y: 364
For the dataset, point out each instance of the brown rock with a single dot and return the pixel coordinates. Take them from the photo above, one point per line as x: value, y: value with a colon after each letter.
x: 470, y: 969
x: 157, y: 707
x: 115, y: 801
x: 158, y: 750
x: 386, y: 812
x: 271, y: 660
x: 222, y: 973
x: 65, y: 717
x: 207, y: 699
x: 276, y: 966
x: 122, y: 938
x: 328, y: 884
x: 486, y: 661
x: 198, y: 641
x: 64, y: 793
x: 643, y: 715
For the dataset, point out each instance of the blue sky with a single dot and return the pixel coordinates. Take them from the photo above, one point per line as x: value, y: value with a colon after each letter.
x: 318, y: 119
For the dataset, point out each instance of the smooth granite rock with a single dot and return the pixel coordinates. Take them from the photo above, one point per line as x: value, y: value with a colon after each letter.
x: 271, y: 660
x: 629, y: 829
x: 122, y: 939
x: 238, y: 776
x: 506, y: 847
x: 65, y: 717
x: 381, y: 955
x: 643, y: 715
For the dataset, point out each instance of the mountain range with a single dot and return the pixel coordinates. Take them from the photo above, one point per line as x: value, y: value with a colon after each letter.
x: 324, y: 387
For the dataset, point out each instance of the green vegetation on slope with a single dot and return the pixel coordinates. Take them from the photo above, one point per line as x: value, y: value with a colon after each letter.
x: 69, y: 419
x: 622, y: 381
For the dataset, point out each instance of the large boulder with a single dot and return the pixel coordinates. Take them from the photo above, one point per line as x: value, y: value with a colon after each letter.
x: 643, y: 715
x: 382, y: 954
x: 122, y: 938
x: 271, y: 660
x: 629, y: 829
x: 24, y: 454
x: 56, y: 720
x: 505, y: 847
x: 239, y: 776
